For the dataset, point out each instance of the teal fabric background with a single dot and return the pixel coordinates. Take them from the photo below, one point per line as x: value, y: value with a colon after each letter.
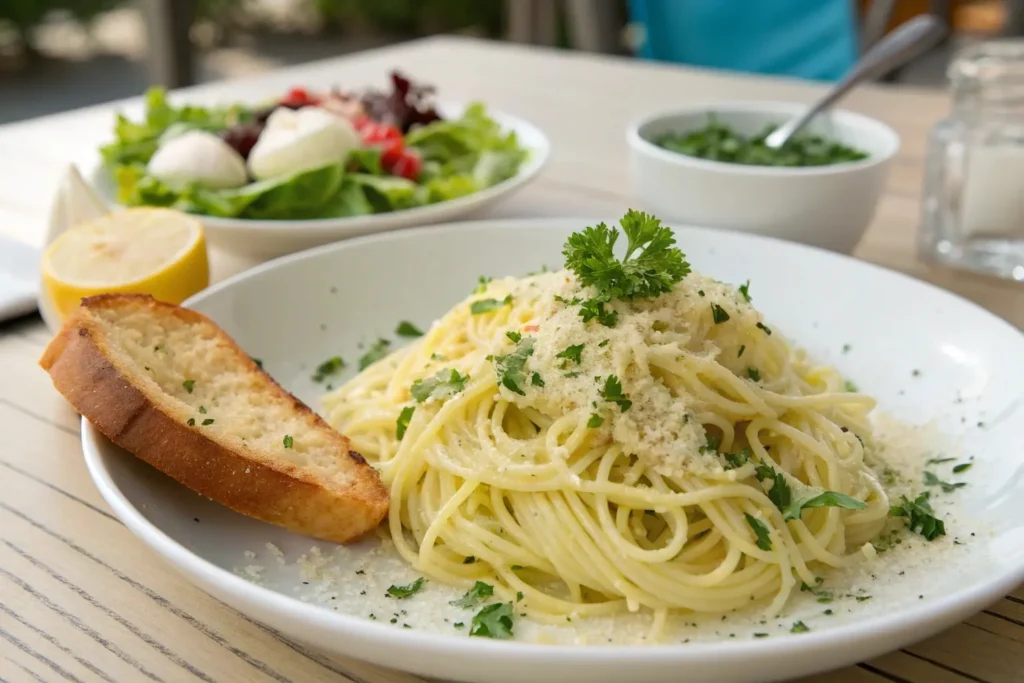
x: 815, y: 39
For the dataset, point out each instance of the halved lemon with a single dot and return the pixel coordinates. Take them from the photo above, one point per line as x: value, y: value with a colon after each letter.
x: 144, y: 250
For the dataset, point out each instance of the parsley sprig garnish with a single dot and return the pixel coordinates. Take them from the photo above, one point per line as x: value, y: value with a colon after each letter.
x: 650, y: 267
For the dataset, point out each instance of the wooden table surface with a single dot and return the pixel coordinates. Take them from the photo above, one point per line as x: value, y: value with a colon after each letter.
x: 82, y: 600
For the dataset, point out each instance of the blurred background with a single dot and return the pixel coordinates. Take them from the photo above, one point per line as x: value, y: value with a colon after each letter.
x: 61, y: 54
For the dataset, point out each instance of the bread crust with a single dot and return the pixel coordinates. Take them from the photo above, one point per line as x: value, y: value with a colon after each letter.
x: 83, y: 369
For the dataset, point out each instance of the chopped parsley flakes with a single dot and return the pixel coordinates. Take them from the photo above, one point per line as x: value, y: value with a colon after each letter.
x: 328, y: 368
x: 516, y: 337
x: 400, y: 592
x: 612, y: 392
x: 745, y: 290
x: 493, y: 621
x: 754, y: 374
x: 377, y: 350
x: 489, y: 305
x: 761, y: 531
x: 595, y: 421
x: 931, y: 480
x: 799, y: 627
x: 792, y: 506
x: 572, y: 353
x: 718, y: 314
x: 189, y: 384
x: 407, y: 329
x: 288, y: 441
x: 475, y: 595
x: 511, y: 368
x: 921, y: 517
x: 402, y: 423
x: 443, y: 384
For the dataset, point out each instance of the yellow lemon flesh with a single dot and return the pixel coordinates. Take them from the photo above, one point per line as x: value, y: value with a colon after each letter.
x: 142, y: 251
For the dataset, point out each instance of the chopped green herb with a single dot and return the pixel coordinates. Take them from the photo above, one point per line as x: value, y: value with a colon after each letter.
x: 489, y: 305
x: 760, y: 635
x: 719, y: 142
x: 475, y: 595
x: 718, y: 314
x: 745, y: 290
x: 754, y: 374
x: 761, y: 531
x: 191, y: 422
x: 938, y: 461
x: 437, y: 356
x: 481, y: 284
x: 536, y: 380
x: 700, y: 292
x: 202, y: 410
x: 735, y: 460
x: 846, y: 348
x: 469, y: 560
x: 519, y: 596
x: 849, y: 387
x: 916, y: 373
x: 328, y: 368
x: 257, y: 361
x: 377, y: 350
x: 962, y: 467
x: 402, y: 423
x: 799, y: 627
x: 612, y: 392
x: 603, y: 344
x: 572, y: 353
x: 407, y: 329
x: 791, y: 506
x: 442, y: 384
x: 922, y: 517
x: 594, y: 309
x: 931, y: 480
x: 189, y: 384
x: 516, y: 337
x: 710, y: 445
x: 742, y: 349
x: 208, y: 421
x: 764, y: 328
x: 288, y: 441
x: 595, y: 421
x: 493, y: 621
x: 458, y: 624
x: 400, y: 592
x: 511, y: 368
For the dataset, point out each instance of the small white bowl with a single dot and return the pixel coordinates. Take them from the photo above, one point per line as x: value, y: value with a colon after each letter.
x: 825, y: 206
x: 269, y: 238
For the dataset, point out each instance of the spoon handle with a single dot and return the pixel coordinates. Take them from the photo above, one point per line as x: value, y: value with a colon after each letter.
x: 909, y: 40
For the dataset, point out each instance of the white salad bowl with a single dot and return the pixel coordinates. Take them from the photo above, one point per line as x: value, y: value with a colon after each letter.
x: 825, y: 206
x: 270, y: 238
x: 924, y: 353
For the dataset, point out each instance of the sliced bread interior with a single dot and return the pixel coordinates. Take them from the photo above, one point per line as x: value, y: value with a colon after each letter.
x: 168, y: 385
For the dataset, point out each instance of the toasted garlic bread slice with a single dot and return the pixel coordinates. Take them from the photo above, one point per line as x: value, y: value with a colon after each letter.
x: 169, y: 386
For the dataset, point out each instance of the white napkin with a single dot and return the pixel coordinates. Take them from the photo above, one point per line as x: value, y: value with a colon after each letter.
x: 19, y: 278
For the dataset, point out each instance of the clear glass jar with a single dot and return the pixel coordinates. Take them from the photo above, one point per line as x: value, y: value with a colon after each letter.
x: 973, y: 206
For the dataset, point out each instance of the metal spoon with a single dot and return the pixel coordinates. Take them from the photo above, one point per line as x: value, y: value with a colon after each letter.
x: 909, y: 40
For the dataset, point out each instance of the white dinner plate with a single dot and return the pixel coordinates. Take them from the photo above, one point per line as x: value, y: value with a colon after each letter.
x: 269, y: 238
x: 924, y: 353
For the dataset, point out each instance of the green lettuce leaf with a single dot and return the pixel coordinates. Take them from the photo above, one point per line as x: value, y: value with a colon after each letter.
x: 135, y: 142
x: 473, y: 144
